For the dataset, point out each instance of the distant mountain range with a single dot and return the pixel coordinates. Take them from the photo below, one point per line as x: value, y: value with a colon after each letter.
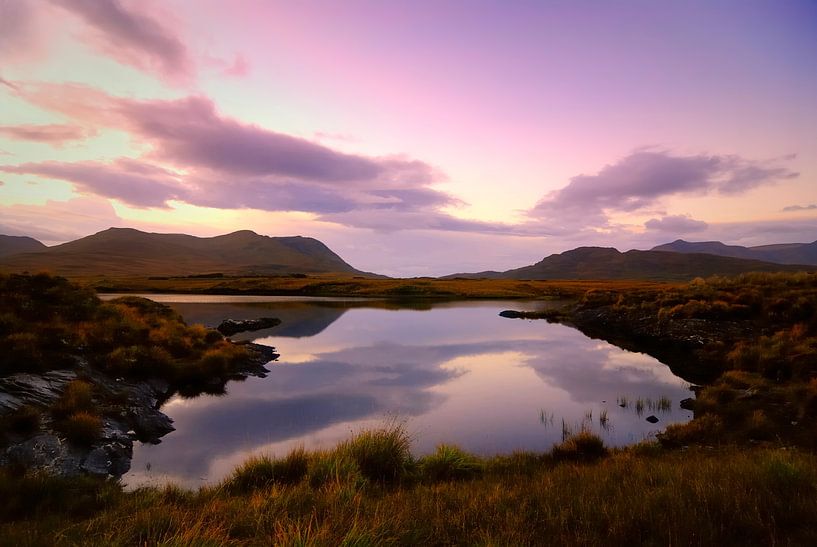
x: 129, y: 252
x: 608, y: 263
x: 10, y: 245
x: 785, y: 253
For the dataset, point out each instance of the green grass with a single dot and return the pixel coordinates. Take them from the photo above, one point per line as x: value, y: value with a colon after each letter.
x: 641, y: 495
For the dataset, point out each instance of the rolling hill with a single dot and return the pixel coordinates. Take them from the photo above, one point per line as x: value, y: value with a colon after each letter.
x: 129, y: 252
x: 609, y: 263
x: 784, y: 253
x: 10, y: 245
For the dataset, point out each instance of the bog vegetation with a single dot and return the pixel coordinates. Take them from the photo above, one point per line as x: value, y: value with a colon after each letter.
x: 743, y: 471
x: 48, y: 323
x: 371, y: 491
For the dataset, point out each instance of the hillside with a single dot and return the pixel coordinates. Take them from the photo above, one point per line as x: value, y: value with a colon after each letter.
x: 129, y: 252
x: 609, y: 263
x: 784, y: 253
x: 10, y: 245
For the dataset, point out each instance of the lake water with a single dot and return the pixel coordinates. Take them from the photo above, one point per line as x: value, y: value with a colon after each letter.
x: 455, y: 372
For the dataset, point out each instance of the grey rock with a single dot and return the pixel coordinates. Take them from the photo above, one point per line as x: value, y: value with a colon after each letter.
x: 22, y: 388
x: 229, y: 327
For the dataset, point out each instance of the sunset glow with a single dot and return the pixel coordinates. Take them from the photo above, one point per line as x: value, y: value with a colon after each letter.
x: 413, y: 138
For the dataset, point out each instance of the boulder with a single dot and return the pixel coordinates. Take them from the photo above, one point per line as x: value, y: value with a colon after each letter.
x: 228, y: 327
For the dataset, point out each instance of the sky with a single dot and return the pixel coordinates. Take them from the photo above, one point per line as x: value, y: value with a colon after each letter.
x: 419, y: 137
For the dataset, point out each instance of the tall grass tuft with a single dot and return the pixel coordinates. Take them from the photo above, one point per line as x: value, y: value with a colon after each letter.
x: 262, y: 472
x: 449, y: 462
x: 383, y: 455
x: 82, y: 428
x: 584, y: 446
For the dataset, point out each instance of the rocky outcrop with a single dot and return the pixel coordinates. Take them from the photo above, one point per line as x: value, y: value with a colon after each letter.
x: 228, y: 327
x: 20, y: 389
x: 692, y: 348
x: 137, y: 416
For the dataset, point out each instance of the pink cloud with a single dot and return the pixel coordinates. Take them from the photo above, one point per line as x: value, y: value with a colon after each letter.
x: 54, y: 134
x: 641, y: 179
x: 133, y: 35
x: 129, y: 181
x: 676, y: 224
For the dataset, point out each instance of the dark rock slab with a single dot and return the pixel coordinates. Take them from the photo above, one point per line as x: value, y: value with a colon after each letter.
x: 228, y: 327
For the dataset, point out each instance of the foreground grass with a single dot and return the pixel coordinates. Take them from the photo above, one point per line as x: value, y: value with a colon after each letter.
x: 642, y: 495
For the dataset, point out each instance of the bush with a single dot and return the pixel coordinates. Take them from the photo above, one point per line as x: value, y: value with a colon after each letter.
x: 449, y: 463
x: 582, y: 446
x: 81, y: 428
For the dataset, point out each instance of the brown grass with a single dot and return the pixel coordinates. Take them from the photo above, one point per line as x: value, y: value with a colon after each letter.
x: 637, y: 496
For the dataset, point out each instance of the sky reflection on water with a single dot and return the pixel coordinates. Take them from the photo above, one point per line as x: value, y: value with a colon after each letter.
x: 457, y: 373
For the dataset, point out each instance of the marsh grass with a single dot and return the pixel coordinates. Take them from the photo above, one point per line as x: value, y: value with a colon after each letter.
x: 262, y: 472
x: 382, y: 455
x: 583, y: 446
x: 604, y: 420
x: 643, y: 495
x: 449, y: 462
x: 82, y: 428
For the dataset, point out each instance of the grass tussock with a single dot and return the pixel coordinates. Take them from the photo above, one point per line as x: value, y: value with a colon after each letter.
x: 382, y: 455
x: 262, y: 472
x: 643, y: 496
x: 582, y: 446
x: 449, y: 463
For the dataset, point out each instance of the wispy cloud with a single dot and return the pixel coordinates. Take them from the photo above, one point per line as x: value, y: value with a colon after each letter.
x: 133, y: 35
x: 54, y: 134
x: 793, y: 208
x: 677, y: 224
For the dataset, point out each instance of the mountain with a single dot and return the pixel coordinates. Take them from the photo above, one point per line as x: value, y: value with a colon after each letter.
x: 10, y: 245
x: 784, y: 253
x: 129, y: 252
x: 608, y: 263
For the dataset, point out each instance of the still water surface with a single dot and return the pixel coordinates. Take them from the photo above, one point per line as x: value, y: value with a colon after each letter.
x: 455, y: 372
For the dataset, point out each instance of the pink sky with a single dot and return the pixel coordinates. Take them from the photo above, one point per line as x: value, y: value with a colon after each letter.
x: 413, y: 138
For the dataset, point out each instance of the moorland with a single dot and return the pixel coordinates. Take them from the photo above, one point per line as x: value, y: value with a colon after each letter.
x: 743, y: 470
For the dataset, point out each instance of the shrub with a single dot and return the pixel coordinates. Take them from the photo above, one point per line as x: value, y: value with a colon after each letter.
x: 81, y: 428
x: 449, y: 463
x: 582, y: 446
x: 383, y: 455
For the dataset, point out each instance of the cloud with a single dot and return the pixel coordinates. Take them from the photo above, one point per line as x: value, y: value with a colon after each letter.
x: 643, y: 178
x: 21, y: 32
x: 127, y: 180
x: 793, y: 208
x: 679, y: 224
x: 54, y: 134
x: 196, y: 155
x: 77, y: 218
x: 134, y: 36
